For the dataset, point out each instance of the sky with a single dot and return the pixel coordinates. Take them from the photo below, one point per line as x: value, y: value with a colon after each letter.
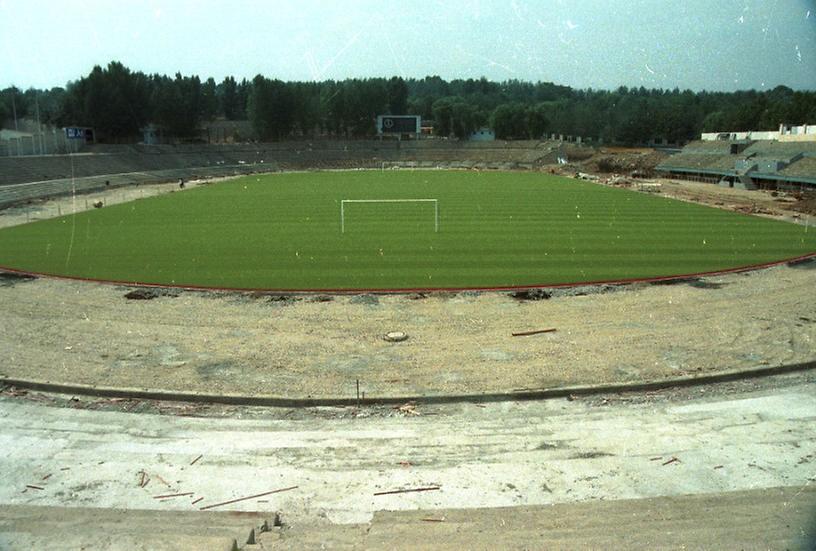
x: 696, y: 44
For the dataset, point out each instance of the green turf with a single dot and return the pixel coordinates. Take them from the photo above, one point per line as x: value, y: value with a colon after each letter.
x: 282, y: 231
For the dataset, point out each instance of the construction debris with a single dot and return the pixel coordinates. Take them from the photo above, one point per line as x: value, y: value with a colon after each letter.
x: 409, y: 408
x: 173, y: 495
x: 650, y: 187
x: 753, y: 209
x: 245, y: 498
x: 531, y: 294
x: 585, y: 176
x: 405, y: 491
x: 163, y: 481
x: 534, y: 332
x: 395, y: 336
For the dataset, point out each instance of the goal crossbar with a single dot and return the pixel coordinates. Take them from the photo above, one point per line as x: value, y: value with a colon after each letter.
x: 344, y: 201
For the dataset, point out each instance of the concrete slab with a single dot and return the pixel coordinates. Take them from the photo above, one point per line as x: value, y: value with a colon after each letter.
x: 494, y: 455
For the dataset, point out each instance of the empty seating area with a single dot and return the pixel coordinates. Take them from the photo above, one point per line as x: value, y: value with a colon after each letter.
x: 752, y: 165
x: 114, y: 159
x: 29, y: 177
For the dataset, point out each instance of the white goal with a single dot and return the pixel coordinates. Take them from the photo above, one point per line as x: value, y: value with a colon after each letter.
x: 343, y: 203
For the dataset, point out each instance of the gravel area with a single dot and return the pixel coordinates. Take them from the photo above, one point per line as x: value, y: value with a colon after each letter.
x: 319, y: 346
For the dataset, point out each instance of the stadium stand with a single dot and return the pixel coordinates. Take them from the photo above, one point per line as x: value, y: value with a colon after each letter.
x: 767, y: 164
x: 29, y: 177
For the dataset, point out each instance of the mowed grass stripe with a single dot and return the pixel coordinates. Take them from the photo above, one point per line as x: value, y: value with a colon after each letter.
x: 282, y: 231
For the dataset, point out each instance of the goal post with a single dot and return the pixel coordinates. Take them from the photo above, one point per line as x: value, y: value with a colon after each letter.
x: 343, y: 203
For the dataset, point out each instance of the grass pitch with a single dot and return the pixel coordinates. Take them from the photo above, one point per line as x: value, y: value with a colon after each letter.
x: 282, y: 231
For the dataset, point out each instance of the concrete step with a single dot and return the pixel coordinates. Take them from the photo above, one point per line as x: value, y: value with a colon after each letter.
x: 58, y: 542
x: 28, y: 527
x: 774, y: 518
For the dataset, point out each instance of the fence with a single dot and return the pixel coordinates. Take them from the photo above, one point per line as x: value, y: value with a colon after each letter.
x: 49, y: 142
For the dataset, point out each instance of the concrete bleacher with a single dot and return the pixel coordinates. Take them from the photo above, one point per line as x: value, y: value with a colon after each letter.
x: 30, y: 177
x: 802, y: 168
x: 780, y: 150
x: 700, y: 147
x: 748, y: 164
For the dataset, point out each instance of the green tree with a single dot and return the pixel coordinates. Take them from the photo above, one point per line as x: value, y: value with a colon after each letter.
x: 14, y: 102
x: 270, y: 108
x: 228, y: 99
x: 397, y: 96
x: 363, y: 100
x: 114, y: 100
x: 716, y: 121
x: 443, y: 116
x: 209, y: 100
x: 466, y: 119
x: 509, y: 121
x: 307, y: 107
x: 537, y: 121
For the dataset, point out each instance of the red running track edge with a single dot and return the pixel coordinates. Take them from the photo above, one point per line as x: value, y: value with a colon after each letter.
x: 356, y: 291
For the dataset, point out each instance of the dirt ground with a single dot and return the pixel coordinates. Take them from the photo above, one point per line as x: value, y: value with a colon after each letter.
x: 320, y: 346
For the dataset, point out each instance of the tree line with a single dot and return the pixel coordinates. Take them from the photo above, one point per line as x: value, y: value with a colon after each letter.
x: 119, y: 102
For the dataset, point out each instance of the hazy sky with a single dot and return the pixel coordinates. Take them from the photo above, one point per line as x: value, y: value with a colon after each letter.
x: 697, y: 44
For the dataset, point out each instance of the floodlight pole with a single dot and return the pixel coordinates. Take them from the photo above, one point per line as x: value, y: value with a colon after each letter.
x: 14, y: 108
x: 39, y: 124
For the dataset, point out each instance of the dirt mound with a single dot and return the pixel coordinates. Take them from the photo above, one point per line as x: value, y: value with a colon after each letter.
x: 806, y: 204
x: 576, y: 154
x: 635, y: 162
x: 531, y: 294
x: 149, y: 293
x: 9, y: 279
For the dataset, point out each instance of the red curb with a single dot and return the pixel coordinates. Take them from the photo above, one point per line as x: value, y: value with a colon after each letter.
x: 627, y: 281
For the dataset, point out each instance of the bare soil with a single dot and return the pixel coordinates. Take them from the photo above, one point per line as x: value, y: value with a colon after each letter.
x: 88, y: 333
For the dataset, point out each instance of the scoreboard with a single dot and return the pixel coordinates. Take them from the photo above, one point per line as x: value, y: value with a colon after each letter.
x: 79, y: 133
x: 398, y: 124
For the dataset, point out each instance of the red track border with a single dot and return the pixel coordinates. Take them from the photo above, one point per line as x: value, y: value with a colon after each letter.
x: 362, y: 290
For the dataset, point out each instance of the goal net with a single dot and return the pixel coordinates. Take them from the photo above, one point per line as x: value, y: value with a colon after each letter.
x: 345, y: 202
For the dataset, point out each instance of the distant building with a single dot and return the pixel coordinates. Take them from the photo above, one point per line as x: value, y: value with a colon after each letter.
x: 483, y: 134
x: 803, y: 133
x: 151, y: 135
x: 6, y: 135
x: 48, y: 140
x: 786, y: 133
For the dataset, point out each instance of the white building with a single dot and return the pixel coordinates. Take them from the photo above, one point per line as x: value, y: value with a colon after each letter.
x: 786, y: 133
x: 483, y: 134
